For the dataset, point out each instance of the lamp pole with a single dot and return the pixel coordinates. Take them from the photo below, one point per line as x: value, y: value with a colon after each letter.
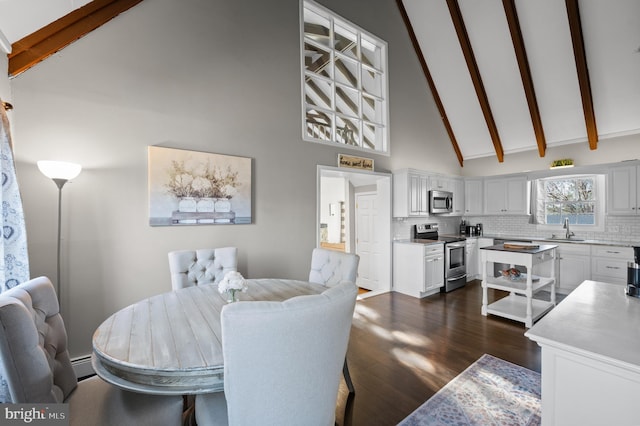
x: 60, y: 172
x: 59, y: 183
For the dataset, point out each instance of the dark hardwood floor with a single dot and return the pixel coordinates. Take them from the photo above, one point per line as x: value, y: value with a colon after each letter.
x: 403, y: 350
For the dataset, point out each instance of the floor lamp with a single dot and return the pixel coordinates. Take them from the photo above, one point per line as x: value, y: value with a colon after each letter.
x: 60, y: 172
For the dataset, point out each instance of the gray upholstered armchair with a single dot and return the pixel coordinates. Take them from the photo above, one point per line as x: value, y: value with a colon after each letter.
x: 282, y: 361
x: 203, y: 266
x: 36, y: 365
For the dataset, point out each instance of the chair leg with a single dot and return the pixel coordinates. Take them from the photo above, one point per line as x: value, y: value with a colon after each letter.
x: 347, y: 377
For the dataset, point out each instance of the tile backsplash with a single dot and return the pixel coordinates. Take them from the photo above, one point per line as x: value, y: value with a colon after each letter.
x: 447, y: 225
x: 624, y: 229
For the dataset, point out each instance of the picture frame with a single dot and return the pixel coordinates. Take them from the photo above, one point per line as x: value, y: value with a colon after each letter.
x: 198, y: 188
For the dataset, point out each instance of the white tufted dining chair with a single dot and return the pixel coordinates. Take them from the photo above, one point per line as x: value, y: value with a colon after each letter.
x: 202, y: 266
x: 35, y: 363
x: 281, y: 361
x: 330, y: 267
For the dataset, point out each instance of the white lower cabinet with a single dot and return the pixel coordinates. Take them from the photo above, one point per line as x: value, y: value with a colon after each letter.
x: 609, y: 263
x: 418, y: 269
x: 482, y: 242
x: 573, y: 267
x: 579, y: 262
x: 434, y: 268
x: 472, y: 258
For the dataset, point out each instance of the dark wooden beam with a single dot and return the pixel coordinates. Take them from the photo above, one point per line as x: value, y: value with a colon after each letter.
x: 432, y: 86
x: 573, y: 13
x: 474, y: 72
x: 525, y: 73
x: 45, y: 42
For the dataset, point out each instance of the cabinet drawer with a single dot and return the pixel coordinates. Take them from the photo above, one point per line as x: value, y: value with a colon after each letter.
x: 607, y: 267
x: 577, y: 249
x: 433, y: 250
x: 624, y: 253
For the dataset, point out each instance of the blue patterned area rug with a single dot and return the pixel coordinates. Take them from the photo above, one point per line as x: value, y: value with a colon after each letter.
x: 490, y: 391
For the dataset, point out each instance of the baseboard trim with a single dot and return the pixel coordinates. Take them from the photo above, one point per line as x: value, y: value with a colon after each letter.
x: 82, y: 366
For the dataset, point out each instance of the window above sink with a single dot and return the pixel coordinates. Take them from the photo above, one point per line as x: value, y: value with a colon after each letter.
x: 580, y: 199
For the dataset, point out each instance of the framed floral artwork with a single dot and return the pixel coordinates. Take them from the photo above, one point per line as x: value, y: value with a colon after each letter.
x: 198, y: 188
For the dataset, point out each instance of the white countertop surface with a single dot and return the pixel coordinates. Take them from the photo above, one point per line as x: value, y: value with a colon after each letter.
x: 597, y: 320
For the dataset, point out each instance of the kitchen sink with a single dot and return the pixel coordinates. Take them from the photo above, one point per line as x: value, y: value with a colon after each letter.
x: 554, y: 238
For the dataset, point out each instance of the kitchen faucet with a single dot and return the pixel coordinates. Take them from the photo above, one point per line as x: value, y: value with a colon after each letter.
x: 568, y: 234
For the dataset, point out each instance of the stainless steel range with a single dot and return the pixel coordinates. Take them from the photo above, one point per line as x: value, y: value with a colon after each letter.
x: 455, y: 266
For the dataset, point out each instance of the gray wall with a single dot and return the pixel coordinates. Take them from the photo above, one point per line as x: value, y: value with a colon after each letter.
x: 219, y: 77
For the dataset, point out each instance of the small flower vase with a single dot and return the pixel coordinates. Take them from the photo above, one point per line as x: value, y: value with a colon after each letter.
x: 187, y: 204
x: 231, y: 295
x: 223, y: 205
x: 205, y: 205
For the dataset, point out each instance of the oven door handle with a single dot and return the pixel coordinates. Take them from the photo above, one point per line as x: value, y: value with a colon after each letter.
x: 460, y: 244
x: 457, y: 278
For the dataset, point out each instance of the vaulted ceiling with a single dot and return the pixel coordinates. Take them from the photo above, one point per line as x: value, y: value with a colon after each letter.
x: 519, y: 75
x: 507, y: 75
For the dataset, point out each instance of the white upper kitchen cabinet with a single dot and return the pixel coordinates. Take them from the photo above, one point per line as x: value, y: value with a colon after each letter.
x: 440, y: 183
x: 473, y: 190
x: 622, y: 190
x: 506, y: 195
x: 410, y: 193
x: 458, y: 189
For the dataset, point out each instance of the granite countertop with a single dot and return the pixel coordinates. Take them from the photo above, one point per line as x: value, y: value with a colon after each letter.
x: 418, y: 241
x: 574, y: 240
x: 532, y: 250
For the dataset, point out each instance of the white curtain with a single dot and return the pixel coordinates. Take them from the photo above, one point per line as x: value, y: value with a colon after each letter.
x: 536, y: 201
x: 14, y: 268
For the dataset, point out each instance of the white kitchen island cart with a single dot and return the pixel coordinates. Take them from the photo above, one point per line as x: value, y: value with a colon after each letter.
x: 520, y: 304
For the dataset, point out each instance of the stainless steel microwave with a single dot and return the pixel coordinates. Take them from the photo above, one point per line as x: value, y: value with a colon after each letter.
x: 440, y: 202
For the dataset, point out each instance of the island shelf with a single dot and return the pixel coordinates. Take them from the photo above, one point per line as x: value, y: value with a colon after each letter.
x: 520, y: 304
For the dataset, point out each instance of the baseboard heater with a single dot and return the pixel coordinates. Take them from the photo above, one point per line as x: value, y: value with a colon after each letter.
x: 82, y: 366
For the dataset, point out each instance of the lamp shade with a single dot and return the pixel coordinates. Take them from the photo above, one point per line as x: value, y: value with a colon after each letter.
x: 59, y: 169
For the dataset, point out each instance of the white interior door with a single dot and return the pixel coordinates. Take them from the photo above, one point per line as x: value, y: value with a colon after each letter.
x: 367, y: 241
x: 370, y: 225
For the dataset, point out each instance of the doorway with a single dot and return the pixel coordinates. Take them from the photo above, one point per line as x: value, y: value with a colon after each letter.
x: 354, y: 215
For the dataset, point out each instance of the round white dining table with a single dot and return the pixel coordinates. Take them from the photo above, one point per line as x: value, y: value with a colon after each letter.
x: 171, y: 344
